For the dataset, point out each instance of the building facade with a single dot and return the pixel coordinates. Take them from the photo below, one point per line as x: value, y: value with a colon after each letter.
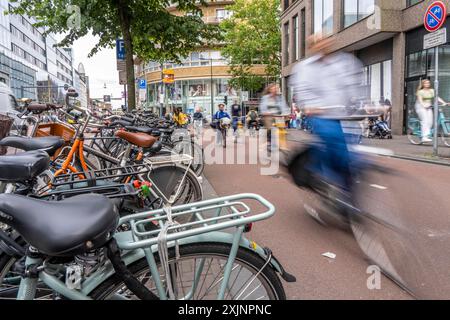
x: 201, y: 79
x: 28, y: 59
x: 387, y: 36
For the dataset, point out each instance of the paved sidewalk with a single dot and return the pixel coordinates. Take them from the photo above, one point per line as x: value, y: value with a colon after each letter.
x: 399, y: 145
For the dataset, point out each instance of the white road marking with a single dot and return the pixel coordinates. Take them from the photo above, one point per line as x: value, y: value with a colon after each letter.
x: 378, y: 187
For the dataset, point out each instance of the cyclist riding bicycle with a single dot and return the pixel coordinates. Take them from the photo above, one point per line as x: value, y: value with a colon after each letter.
x: 325, y: 103
x: 198, y: 121
x: 274, y: 111
x: 218, y: 116
x: 252, y: 119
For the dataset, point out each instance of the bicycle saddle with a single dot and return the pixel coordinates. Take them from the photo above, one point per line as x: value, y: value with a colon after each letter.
x: 47, y: 144
x: 169, y: 130
x: 23, y: 166
x: 61, y: 228
x: 137, y: 138
x: 40, y: 107
x: 139, y: 129
x: 121, y: 123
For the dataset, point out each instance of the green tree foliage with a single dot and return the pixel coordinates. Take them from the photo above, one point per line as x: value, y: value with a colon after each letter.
x: 149, y: 31
x: 252, y: 36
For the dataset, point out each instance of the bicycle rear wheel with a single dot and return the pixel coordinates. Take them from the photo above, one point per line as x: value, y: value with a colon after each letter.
x: 209, y: 259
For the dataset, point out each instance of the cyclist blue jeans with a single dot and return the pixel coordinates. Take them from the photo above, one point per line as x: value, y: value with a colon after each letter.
x: 330, y: 157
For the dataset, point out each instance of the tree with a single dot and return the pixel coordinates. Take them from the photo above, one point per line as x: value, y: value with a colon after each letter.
x: 149, y: 31
x: 252, y: 36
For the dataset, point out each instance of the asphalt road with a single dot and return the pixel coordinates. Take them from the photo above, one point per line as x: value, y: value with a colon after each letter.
x: 414, y: 197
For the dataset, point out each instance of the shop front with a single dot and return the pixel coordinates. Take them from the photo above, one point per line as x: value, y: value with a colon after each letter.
x: 193, y: 94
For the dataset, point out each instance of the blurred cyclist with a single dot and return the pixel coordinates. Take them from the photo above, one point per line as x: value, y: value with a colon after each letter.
x: 325, y: 85
x: 273, y: 109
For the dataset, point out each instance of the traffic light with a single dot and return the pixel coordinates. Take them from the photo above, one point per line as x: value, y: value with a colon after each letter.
x: 226, y: 100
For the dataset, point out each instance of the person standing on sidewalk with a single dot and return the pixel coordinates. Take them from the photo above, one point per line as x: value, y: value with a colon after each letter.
x: 424, y: 108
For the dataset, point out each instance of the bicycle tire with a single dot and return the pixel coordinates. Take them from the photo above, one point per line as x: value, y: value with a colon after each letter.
x: 164, y: 177
x: 253, y: 261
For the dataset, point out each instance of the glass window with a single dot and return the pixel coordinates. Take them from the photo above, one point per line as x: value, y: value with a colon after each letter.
x: 355, y: 10
x: 296, y: 37
x: 417, y: 64
x: 323, y: 16
x: 286, y: 44
x: 378, y: 81
x: 222, y: 14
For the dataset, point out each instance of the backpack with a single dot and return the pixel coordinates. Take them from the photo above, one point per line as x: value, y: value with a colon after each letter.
x: 253, y: 115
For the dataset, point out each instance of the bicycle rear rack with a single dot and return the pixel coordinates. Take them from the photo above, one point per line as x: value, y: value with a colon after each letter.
x: 206, y: 216
x: 174, y: 158
x: 91, y: 178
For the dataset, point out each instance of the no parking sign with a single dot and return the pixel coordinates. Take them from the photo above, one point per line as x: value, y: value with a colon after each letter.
x: 435, y: 16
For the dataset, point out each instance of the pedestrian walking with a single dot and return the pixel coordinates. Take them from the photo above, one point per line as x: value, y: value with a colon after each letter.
x: 424, y: 108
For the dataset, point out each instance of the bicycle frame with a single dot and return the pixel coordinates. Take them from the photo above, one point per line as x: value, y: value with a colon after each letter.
x: 137, y: 245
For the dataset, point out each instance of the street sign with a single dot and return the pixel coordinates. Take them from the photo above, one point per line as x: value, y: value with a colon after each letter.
x: 142, y: 84
x: 168, y: 76
x: 434, y: 19
x: 244, y: 96
x: 121, y: 65
x: 435, y: 16
x: 435, y: 39
x: 120, y: 49
x: 122, y: 77
x: 106, y: 98
x: 142, y: 95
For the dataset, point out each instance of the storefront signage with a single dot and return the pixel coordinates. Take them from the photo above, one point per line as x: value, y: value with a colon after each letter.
x: 435, y: 39
x: 435, y: 16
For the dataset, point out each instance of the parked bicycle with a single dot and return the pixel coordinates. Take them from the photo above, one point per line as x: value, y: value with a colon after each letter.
x: 414, y: 130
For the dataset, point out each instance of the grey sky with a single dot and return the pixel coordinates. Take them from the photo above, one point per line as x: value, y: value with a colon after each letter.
x: 101, y: 69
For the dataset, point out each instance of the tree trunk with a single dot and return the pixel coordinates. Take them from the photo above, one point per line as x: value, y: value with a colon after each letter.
x: 128, y: 42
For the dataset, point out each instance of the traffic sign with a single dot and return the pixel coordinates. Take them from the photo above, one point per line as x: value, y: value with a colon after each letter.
x: 435, y: 16
x: 435, y: 39
x: 122, y: 77
x: 142, y: 84
x: 120, y: 49
x: 168, y: 76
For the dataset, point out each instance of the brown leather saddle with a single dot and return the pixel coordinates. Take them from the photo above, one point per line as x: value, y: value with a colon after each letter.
x: 137, y: 138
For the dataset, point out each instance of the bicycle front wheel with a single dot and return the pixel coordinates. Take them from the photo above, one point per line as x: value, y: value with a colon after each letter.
x: 208, y: 261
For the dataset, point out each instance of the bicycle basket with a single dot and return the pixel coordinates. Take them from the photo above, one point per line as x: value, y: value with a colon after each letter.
x: 5, y: 126
x: 55, y: 129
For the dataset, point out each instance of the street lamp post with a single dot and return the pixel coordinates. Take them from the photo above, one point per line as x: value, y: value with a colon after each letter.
x: 211, y: 83
x: 212, y: 91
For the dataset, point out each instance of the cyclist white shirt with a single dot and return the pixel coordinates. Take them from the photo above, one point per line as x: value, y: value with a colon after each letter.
x: 328, y: 82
